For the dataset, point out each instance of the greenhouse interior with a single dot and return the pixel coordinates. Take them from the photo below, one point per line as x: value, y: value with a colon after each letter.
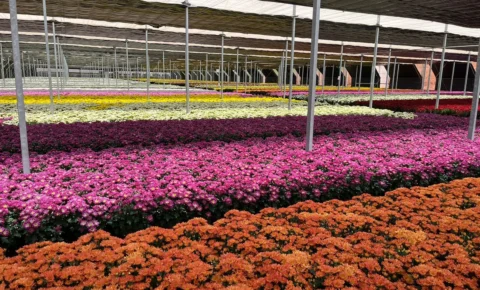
x: 254, y: 144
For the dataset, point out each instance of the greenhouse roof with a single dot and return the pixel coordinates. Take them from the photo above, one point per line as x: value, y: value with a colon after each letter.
x: 210, y: 15
x: 259, y: 31
x: 458, y: 12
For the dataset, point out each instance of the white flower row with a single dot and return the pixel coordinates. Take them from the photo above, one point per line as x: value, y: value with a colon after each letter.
x: 167, y: 111
x: 351, y: 98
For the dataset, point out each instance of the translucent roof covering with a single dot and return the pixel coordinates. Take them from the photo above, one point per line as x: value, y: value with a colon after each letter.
x: 280, y: 9
x: 459, y: 12
x: 125, y: 29
x: 258, y: 28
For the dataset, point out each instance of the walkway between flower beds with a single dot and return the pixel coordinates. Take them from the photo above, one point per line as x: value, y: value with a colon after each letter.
x: 409, y: 239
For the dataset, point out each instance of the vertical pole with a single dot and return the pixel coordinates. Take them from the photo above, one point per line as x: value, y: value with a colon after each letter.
x: 356, y: 76
x: 360, y: 72
x: 333, y: 75
x: 324, y: 70
x: 238, y: 72
x: 116, y: 67
x: 29, y: 65
x: 423, y: 75
x: 394, y: 76
x: 466, y: 75
x: 292, y: 56
x: 430, y: 72
x: 474, y: 112
x: 308, y: 75
x: 246, y: 67
x: 23, y: 67
x: 221, y: 67
x: 163, y: 69
x: 253, y: 72
x: 102, y: 75
x: 398, y: 76
x: 304, y: 79
x: 340, y: 70
x: 453, y: 75
x: 128, y: 66
x: 3, y: 68
x: 206, y: 72
x: 440, y: 76
x: 387, y: 81
x: 285, y: 70
x: 374, y: 62
x: 48, y: 53
x: 148, y: 63
x: 56, y: 56
x: 187, y: 60
x: 313, y: 67
x: 19, y: 87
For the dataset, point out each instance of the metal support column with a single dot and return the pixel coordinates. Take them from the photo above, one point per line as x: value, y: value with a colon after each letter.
x: 440, y: 76
x: 116, y: 67
x: 387, y: 81
x: 313, y: 68
x: 423, y: 75
x: 356, y: 76
x: 163, y: 69
x: 49, y: 72
x: 206, y: 72
x: 394, y: 74
x: 19, y: 87
x: 128, y: 66
x: 374, y: 62
x: 466, y: 75
x: 23, y: 67
x: 187, y: 56
x: 324, y: 70
x: 285, y: 70
x: 340, y: 70
x: 246, y: 68
x: 398, y: 76
x: 55, y: 55
x: 360, y: 72
x: 147, y: 58
x: 292, y: 56
x: 453, y: 76
x: 2, y: 66
x: 238, y: 72
x: 221, y: 66
x: 430, y: 72
x: 473, y: 114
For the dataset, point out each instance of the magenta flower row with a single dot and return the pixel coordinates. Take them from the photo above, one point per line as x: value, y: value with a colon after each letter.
x: 88, y: 93
x: 204, y: 177
x: 98, y: 136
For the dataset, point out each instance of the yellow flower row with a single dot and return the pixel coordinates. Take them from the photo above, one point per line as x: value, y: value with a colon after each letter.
x: 129, y: 99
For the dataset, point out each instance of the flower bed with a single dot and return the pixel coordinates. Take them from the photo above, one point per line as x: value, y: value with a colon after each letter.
x: 122, y: 190
x: 112, y: 97
x: 98, y: 136
x: 422, y: 238
x: 40, y: 114
x: 354, y: 98
x: 459, y: 107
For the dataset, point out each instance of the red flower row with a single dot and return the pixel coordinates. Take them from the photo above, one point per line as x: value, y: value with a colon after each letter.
x: 461, y: 107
